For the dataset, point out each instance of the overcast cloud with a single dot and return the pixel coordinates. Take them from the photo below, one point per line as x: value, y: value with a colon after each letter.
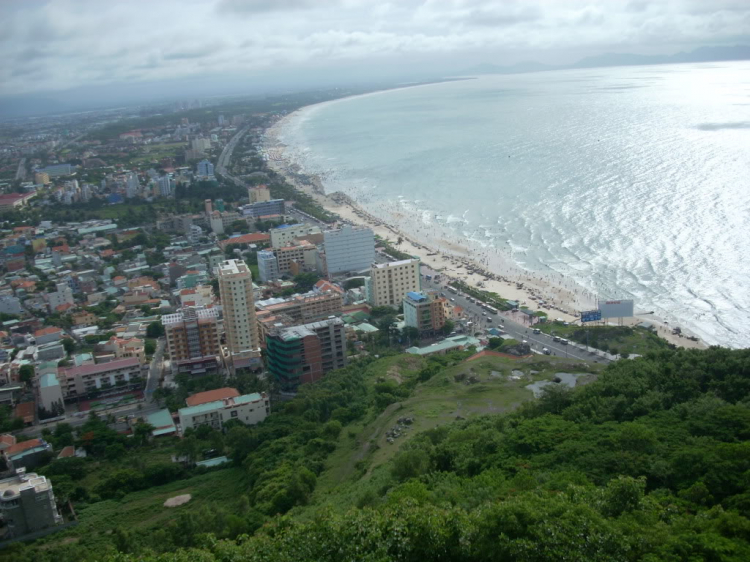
x: 63, y: 44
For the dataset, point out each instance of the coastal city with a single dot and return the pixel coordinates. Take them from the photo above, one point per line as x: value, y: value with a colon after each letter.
x: 417, y: 281
x: 163, y: 278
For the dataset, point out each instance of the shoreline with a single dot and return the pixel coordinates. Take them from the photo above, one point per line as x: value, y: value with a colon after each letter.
x: 499, y: 274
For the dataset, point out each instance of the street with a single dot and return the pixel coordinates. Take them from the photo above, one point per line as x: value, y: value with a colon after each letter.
x: 513, y: 327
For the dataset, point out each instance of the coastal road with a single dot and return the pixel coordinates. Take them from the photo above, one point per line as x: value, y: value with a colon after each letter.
x: 514, y: 327
x: 226, y: 155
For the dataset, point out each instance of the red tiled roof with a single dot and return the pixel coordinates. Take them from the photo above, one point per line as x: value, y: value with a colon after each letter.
x: 212, y: 396
x: 22, y: 446
x: 68, y: 451
x: 25, y: 410
x: 252, y: 238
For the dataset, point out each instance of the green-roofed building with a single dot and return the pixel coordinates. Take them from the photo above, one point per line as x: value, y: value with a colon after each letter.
x: 50, y: 393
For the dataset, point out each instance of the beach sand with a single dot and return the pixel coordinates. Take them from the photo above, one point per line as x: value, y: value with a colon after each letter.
x: 563, y: 296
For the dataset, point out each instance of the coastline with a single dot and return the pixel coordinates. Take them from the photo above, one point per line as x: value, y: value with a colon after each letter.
x: 564, y: 298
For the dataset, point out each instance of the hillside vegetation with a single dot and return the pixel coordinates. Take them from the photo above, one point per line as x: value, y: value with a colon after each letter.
x: 649, y: 461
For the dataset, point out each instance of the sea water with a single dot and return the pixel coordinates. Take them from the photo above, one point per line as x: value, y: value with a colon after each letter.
x: 633, y: 181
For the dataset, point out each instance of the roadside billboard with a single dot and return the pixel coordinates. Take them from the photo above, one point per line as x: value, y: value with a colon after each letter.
x: 591, y: 316
x: 616, y: 309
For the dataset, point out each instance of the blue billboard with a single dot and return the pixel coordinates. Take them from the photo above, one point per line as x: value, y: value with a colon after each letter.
x: 591, y: 316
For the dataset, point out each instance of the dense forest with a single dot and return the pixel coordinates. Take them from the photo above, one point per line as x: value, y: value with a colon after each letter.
x: 648, y: 462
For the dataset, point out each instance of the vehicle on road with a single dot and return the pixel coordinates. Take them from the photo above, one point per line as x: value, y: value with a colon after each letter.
x: 556, y: 338
x: 563, y: 342
x: 546, y: 351
x: 537, y: 331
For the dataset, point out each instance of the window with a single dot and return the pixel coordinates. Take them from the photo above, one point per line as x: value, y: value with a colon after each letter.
x: 234, y: 414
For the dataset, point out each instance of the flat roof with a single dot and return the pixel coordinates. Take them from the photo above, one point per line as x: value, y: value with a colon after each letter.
x: 103, y: 367
x: 394, y: 263
x: 48, y: 380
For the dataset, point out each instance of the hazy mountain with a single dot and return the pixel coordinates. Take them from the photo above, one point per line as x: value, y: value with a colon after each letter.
x: 518, y: 68
x: 702, y: 54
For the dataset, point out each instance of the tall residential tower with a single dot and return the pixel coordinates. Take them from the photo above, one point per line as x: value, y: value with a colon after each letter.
x: 236, y: 291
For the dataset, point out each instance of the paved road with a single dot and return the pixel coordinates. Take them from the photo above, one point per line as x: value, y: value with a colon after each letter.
x: 226, y: 155
x: 154, y: 371
x: 512, y: 324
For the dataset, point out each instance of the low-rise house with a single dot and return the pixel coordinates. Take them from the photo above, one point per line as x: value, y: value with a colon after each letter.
x: 107, y: 378
x: 249, y: 409
x: 27, y: 454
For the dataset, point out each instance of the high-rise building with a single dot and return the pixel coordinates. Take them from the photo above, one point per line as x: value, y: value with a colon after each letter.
x: 389, y: 282
x: 193, y: 339
x: 285, y: 234
x: 303, y: 354
x: 424, y: 311
x: 296, y: 258
x: 132, y: 185
x: 236, y: 291
x: 208, y: 206
x: 221, y: 120
x: 27, y: 503
x: 41, y: 178
x: 259, y: 194
x: 268, y: 266
x: 205, y: 168
x: 349, y: 249
x: 165, y: 186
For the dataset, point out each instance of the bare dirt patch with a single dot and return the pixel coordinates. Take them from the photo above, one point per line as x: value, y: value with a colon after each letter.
x: 178, y: 500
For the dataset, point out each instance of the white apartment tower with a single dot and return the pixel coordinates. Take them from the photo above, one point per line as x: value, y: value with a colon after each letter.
x: 236, y: 291
x: 349, y: 249
x: 389, y: 282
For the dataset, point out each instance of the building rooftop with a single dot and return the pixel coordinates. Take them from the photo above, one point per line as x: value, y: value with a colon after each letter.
x: 13, y: 486
x: 23, y: 446
x: 446, y: 344
x: 393, y: 263
x: 83, y: 370
x: 48, y: 380
x: 212, y: 396
x: 220, y: 404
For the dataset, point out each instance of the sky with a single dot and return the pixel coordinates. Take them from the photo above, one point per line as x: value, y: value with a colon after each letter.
x: 112, y: 47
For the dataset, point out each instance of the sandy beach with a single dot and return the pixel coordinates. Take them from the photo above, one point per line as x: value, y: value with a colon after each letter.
x: 493, y: 270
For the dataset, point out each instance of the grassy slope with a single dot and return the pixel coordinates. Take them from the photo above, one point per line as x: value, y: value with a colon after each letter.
x: 363, y: 448
x: 626, y: 340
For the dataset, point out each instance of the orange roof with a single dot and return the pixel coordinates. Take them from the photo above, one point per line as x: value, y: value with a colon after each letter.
x: 187, y: 292
x: 64, y: 307
x: 68, y: 451
x: 252, y: 238
x: 23, y: 445
x: 49, y: 330
x: 25, y: 410
x: 212, y: 396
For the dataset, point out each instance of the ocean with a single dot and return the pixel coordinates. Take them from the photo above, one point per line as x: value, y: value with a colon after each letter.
x: 633, y: 181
